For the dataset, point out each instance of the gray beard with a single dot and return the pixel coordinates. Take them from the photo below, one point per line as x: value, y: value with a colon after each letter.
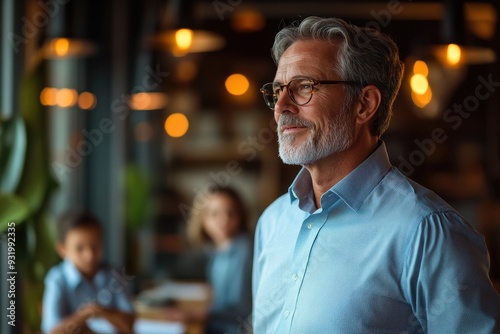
x: 338, y: 137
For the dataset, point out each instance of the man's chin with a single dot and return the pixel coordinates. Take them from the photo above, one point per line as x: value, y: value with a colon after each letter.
x: 291, y: 155
x: 294, y: 159
x: 291, y: 162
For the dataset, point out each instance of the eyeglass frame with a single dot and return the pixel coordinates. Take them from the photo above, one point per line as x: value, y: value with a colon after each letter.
x: 313, y: 83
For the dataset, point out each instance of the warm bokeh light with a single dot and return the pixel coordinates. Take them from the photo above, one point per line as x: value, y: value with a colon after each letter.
x: 61, y: 46
x: 421, y: 100
x: 143, y: 132
x: 176, y: 125
x: 453, y: 54
x: 482, y: 19
x: 183, y: 41
x: 48, y: 96
x: 420, y: 67
x: 237, y: 84
x: 66, y: 47
x: 87, y: 101
x: 148, y: 101
x: 183, y: 38
x: 248, y: 21
x: 66, y: 97
x: 419, y: 84
x: 140, y: 101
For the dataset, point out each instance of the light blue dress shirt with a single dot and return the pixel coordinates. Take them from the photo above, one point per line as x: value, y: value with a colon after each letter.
x: 382, y: 255
x: 66, y: 290
x: 230, y: 274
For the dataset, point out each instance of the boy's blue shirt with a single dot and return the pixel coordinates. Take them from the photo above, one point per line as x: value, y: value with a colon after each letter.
x: 66, y: 290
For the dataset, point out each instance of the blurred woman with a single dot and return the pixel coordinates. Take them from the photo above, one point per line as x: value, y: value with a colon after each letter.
x: 218, y: 222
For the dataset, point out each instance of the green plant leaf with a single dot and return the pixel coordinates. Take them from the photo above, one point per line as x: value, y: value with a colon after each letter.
x: 45, y: 244
x: 36, y: 181
x: 12, y: 153
x: 137, y: 191
x: 12, y: 209
x: 32, y: 294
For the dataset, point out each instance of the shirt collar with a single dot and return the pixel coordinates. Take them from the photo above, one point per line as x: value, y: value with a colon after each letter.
x: 353, y: 188
x: 301, y: 186
x: 301, y: 189
x: 75, y: 278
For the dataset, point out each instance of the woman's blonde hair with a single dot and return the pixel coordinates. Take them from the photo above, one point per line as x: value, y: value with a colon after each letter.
x: 195, y: 231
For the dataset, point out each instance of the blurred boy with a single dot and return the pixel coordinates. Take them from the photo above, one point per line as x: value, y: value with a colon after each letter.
x: 80, y: 287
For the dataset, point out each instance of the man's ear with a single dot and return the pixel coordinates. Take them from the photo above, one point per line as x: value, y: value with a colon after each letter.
x: 368, y: 103
x: 61, y: 250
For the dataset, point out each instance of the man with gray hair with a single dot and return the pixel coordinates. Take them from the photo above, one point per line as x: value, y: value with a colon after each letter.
x: 355, y: 246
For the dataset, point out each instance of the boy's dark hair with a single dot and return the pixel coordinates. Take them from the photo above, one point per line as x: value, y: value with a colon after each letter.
x: 73, y: 220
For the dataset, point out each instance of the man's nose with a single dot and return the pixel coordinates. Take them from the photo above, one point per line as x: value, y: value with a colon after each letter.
x: 284, y: 103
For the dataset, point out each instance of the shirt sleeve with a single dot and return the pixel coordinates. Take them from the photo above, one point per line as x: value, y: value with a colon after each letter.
x: 446, y: 278
x: 124, y: 303
x: 54, y: 306
x: 120, y: 286
x: 256, y: 253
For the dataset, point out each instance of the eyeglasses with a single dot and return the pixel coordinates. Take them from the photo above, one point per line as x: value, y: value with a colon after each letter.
x: 300, y: 90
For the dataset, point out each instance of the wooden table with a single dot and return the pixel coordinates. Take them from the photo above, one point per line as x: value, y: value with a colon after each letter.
x: 184, y: 298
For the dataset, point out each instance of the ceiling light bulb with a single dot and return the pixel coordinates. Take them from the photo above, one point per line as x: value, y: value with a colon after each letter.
x: 184, y: 38
x: 453, y: 54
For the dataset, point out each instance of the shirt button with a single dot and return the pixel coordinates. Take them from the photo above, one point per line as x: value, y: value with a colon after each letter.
x: 295, y: 277
x: 310, y: 226
x: 287, y: 313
